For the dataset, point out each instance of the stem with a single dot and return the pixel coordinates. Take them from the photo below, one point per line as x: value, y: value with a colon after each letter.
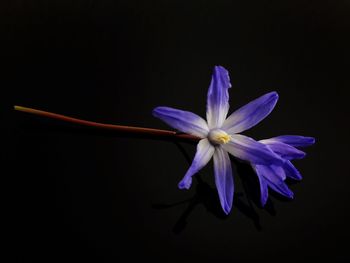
x: 120, y: 128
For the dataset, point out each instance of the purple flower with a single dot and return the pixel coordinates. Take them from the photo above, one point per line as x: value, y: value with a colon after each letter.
x: 219, y: 135
x: 273, y: 176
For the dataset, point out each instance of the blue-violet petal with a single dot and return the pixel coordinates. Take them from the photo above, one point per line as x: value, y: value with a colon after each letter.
x: 217, y: 99
x: 183, y: 121
x: 203, y: 155
x: 264, y: 194
x: 291, y: 171
x: 250, y: 114
x: 273, y: 180
x: 284, y: 150
x: 223, y: 178
x: 248, y: 149
x: 295, y: 140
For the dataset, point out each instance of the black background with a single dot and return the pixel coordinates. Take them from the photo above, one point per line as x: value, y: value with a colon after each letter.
x: 86, y: 195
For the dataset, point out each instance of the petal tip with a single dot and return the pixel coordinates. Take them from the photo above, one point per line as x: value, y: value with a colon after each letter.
x: 301, y: 155
x: 155, y: 111
x: 227, y: 210
x: 185, y: 184
x: 224, y: 73
x: 263, y: 201
x: 312, y: 140
x: 297, y: 176
x: 291, y: 195
x: 273, y: 95
x: 221, y: 68
x: 308, y: 141
x: 288, y: 193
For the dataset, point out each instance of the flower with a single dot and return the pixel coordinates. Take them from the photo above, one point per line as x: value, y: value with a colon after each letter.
x: 273, y: 176
x: 219, y: 135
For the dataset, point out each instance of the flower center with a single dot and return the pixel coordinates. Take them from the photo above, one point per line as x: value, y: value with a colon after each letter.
x: 217, y: 136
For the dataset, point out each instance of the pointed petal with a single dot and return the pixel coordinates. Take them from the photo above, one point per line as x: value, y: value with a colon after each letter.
x: 279, y: 171
x: 217, y: 101
x: 286, y: 151
x: 183, y: 121
x: 291, y: 171
x: 294, y: 140
x: 250, y: 114
x: 248, y: 149
x: 223, y: 178
x: 264, y: 194
x: 203, y: 155
x: 273, y: 180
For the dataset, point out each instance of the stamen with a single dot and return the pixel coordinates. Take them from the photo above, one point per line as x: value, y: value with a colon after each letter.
x: 218, y: 136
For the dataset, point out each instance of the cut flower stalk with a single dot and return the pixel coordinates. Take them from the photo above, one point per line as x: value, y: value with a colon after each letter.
x: 156, y: 133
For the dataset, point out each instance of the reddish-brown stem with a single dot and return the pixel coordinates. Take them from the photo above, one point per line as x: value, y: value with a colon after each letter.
x: 120, y: 128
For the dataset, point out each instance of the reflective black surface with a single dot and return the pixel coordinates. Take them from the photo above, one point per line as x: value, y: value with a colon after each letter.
x: 82, y: 195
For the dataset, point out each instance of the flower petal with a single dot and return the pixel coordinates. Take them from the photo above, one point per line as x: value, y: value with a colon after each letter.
x: 264, y: 194
x: 183, y: 121
x: 250, y: 114
x: 223, y: 178
x: 286, y: 151
x: 279, y: 171
x: 203, y: 155
x: 247, y: 149
x: 291, y: 171
x: 273, y: 180
x: 217, y: 101
x: 294, y: 140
